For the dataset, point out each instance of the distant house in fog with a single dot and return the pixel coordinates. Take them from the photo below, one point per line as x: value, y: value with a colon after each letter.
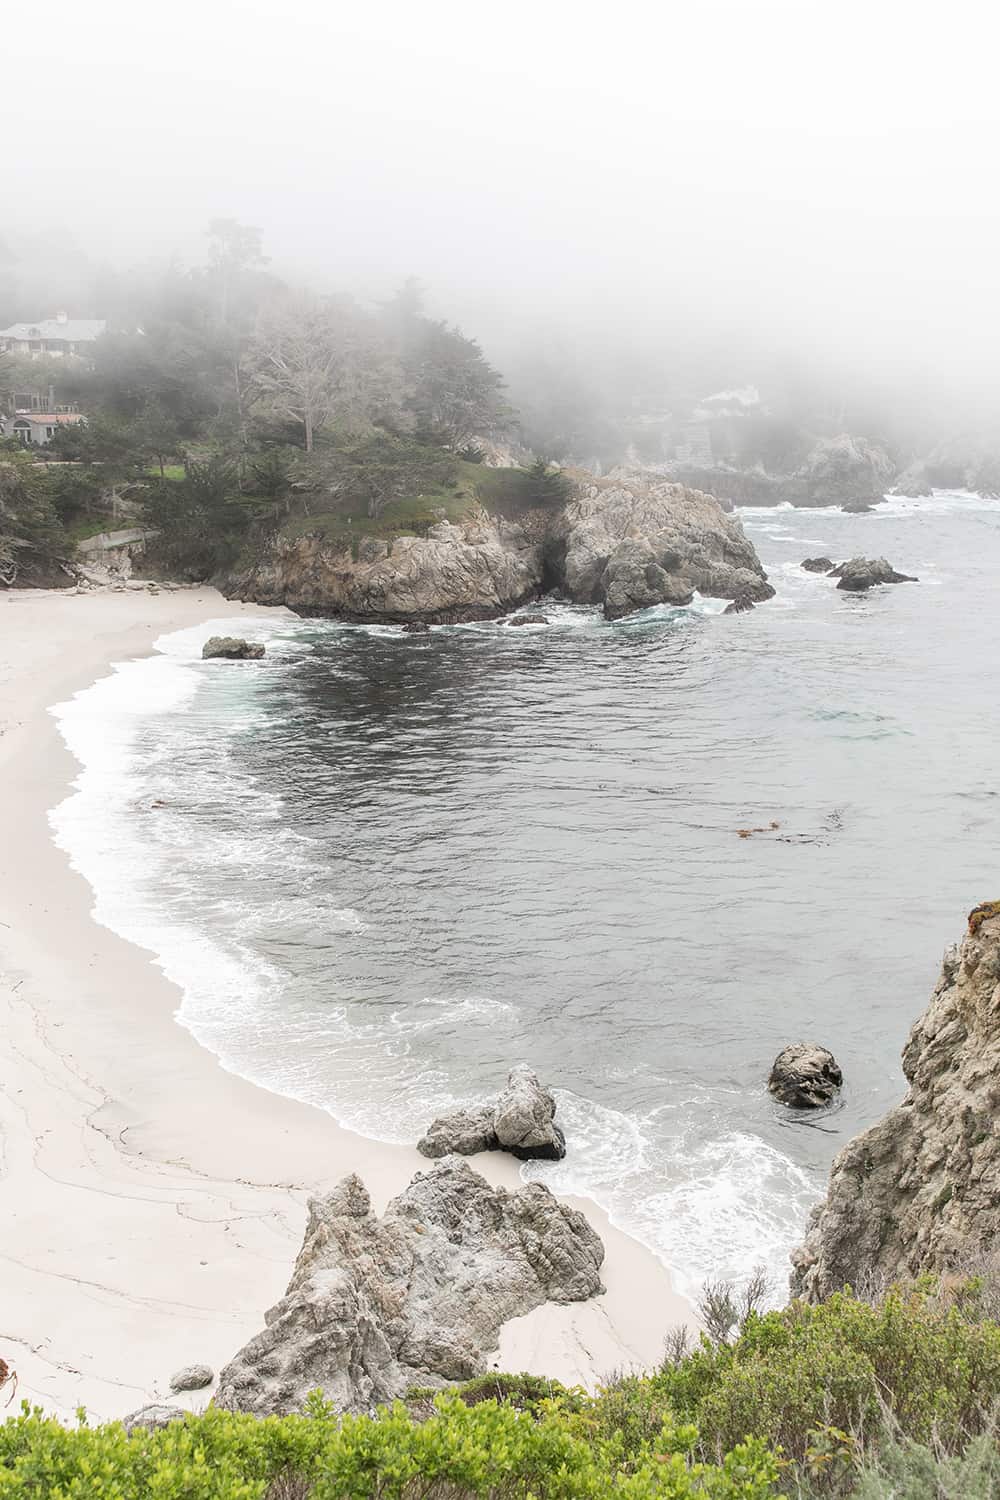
x: 34, y: 429
x: 52, y: 338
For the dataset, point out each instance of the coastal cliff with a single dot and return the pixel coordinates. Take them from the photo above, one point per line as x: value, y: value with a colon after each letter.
x: 920, y: 1191
x: 625, y: 542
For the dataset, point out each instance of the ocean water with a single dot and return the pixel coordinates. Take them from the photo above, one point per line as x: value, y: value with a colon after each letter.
x: 383, y: 868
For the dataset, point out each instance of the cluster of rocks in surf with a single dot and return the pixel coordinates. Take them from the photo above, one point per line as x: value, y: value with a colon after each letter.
x: 418, y: 1297
x: 858, y: 574
x: 520, y: 1121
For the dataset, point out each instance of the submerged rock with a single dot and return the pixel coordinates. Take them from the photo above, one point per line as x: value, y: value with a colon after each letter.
x: 919, y: 1191
x: 805, y: 1076
x: 528, y: 620
x: 416, y: 627
x: 818, y: 564
x: 192, y: 1378
x: 739, y: 606
x: 862, y: 573
x: 231, y: 648
x: 417, y: 1297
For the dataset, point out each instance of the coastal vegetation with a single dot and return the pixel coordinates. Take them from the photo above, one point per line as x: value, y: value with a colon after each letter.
x: 844, y: 1399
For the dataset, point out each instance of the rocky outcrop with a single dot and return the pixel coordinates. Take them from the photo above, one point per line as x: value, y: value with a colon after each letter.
x: 231, y: 648
x: 473, y: 571
x: 740, y: 605
x: 626, y: 542
x: 528, y: 620
x: 860, y: 574
x: 920, y: 1190
x: 417, y: 1297
x: 915, y: 480
x: 817, y: 564
x: 805, y: 1076
x: 843, y: 470
x: 521, y: 1121
x: 631, y: 541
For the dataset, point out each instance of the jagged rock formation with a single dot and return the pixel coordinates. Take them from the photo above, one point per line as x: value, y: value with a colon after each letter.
x: 521, y: 1121
x: 862, y: 573
x: 474, y: 571
x: 631, y: 541
x: 817, y: 564
x: 805, y: 1076
x: 417, y: 1297
x: 920, y: 1190
x: 626, y: 542
x: 231, y: 648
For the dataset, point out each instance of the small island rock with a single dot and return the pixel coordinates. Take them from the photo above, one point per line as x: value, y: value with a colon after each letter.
x: 529, y: 620
x: 862, y: 573
x: 416, y: 627
x: 818, y: 564
x: 231, y: 648
x: 192, y: 1378
x: 805, y: 1076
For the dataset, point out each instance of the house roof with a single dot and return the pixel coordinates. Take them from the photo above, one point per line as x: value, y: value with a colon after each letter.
x: 48, y: 417
x: 74, y: 330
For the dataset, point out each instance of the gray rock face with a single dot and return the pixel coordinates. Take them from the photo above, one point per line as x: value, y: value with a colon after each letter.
x: 805, y: 1076
x: 375, y: 1306
x: 739, y: 606
x: 818, y: 564
x: 520, y: 1121
x: 842, y: 470
x: 474, y: 571
x: 466, y: 1132
x: 524, y: 1118
x: 192, y: 1378
x: 231, y: 648
x: 920, y: 1191
x: 863, y: 573
x: 913, y: 481
x: 632, y: 541
x: 152, y: 1418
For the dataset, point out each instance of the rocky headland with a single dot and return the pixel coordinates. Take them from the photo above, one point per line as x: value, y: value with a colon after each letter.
x: 418, y: 1297
x: 625, y: 542
x: 920, y: 1191
x: 844, y: 470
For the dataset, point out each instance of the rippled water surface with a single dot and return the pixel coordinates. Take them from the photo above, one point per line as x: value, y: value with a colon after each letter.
x: 384, y: 867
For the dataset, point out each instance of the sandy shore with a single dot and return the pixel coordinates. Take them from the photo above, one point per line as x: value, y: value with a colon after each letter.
x: 153, y: 1203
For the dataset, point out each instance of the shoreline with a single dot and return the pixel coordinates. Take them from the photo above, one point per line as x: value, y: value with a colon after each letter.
x: 155, y: 1202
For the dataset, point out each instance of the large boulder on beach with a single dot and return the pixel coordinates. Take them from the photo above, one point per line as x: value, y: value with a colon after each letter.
x: 465, y: 1132
x: 523, y: 1119
x: 231, y: 648
x: 418, y: 1297
x: 192, y: 1378
x: 918, y: 1191
x: 805, y: 1076
x: 153, y: 1418
x: 862, y: 573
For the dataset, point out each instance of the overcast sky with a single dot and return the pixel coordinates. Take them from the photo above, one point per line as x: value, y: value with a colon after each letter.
x: 826, y: 171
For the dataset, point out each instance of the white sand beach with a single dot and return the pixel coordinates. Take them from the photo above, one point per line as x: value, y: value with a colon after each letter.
x: 152, y: 1202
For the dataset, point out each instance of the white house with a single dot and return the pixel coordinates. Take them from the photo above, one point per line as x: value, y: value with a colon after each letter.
x: 53, y: 338
x: 34, y: 429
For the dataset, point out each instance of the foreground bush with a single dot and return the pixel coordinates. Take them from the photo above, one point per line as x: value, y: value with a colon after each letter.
x: 487, y: 1451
